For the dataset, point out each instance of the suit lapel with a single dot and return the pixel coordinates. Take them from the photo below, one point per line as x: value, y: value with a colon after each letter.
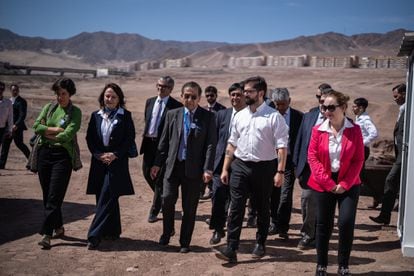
x: 98, y: 121
x: 180, y: 116
x: 344, y: 142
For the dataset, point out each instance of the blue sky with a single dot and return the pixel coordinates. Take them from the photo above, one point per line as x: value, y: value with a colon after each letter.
x: 241, y: 21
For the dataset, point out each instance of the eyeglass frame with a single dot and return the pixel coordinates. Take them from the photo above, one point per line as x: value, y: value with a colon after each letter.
x: 188, y: 96
x: 331, y: 108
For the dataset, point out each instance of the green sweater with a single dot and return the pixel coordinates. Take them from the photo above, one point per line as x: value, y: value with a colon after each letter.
x: 59, y: 118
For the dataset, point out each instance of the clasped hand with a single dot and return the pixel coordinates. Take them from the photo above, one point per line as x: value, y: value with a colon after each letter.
x: 107, y: 157
x: 338, y: 189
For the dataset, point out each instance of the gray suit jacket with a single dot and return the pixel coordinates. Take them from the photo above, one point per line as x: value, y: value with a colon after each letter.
x: 201, y: 142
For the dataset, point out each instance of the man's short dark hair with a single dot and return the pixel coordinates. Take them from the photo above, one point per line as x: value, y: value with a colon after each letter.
x: 325, y: 88
x: 401, y: 88
x: 259, y: 84
x: 211, y: 89
x: 235, y: 86
x: 361, y: 102
x: 192, y: 84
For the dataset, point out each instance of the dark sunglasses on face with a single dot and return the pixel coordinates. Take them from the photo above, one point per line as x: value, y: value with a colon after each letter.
x: 330, y: 108
x: 318, y: 96
x: 163, y: 86
x: 187, y: 96
x: 210, y: 95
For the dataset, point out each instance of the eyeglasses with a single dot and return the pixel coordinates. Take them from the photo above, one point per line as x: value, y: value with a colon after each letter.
x: 210, y: 95
x: 187, y: 96
x: 249, y: 91
x: 330, y: 108
x: 163, y: 86
x: 318, y: 96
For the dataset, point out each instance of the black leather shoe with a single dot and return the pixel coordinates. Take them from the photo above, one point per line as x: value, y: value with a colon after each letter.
x: 227, y: 254
x: 152, y: 218
x: 306, y: 243
x: 343, y: 271
x: 284, y: 235
x: 380, y: 220
x: 164, y: 240
x: 321, y: 271
x: 216, y: 238
x: 93, y: 243
x: 273, y: 230
x: 184, y: 250
x: 259, y: 251
x: 45, y: 242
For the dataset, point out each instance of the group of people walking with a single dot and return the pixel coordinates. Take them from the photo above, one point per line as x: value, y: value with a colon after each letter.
x: 253, y: 150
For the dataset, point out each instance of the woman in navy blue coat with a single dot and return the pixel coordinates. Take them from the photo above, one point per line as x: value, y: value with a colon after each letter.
x: 110, y: 135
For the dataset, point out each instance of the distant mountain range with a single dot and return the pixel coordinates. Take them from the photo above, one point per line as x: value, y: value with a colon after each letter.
x: 104, y: 47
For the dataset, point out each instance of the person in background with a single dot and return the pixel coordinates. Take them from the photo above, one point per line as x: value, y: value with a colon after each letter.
x: 155, y: 110
x: 57, y: 125
x: 19, y: 115
x: 392, y: 181
x: 210, y: 92
x: 282, y: 197
x: 6, y: 116
x: 369, y: 134
x: 221, y: 194
x: 302, y: 170
x: 187, y: 147
x: 335, y: 156
x: 110, y: 135
x: 256, y: 152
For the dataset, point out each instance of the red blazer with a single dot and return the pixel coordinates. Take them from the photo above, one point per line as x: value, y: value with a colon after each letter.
x: 351, y: 159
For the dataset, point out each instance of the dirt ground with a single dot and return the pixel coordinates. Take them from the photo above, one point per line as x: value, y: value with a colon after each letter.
x: 376, y: 249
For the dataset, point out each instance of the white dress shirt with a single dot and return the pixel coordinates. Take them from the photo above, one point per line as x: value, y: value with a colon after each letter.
x: 257, y: 135
x: 369, y: 131
x: 335, y: 142
x: 108, y: 124
x: 155, y: 122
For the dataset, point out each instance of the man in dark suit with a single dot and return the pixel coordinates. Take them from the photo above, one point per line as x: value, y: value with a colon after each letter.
x: 392, y: 181
x: 302, y: 169
x: 187, y: 147
x: 19, y: 114
x: 210, y: 92
x: 220, y: 197
x: 282, y: 197
x: 155, y: 110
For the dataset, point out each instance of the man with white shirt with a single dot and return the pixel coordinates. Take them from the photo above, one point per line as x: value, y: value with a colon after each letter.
x: 6, y: 116
x: 256, y: 151
x: 369, y: 133
x: 155, y: 110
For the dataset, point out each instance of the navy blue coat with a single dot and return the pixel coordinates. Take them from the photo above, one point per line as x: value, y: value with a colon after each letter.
x: 121, y: 140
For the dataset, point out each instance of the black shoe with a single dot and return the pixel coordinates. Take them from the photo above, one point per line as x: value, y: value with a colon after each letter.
x: 273, y: 230
x: 184, y: 250
x: 251, y: 222
x: 343, y: 271
x: 321, y: 271
x: 228, y: 255
x: 259, y: 251
x: 164, y: 240
x: 152, y: 218
x: 93, y: 243
x: 45, y: 242
x: 216, y: 238
x: 380, y: 220
x: 306, y: 243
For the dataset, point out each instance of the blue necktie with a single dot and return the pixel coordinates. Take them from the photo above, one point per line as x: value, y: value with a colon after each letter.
x: 182, y: 153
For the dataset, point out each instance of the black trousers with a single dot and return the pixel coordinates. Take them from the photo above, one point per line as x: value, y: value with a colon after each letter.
x: 219, y: 204
x: 18, y: 141
x: 107, y: 220
x: 55, y: 169
x: 325, y: 213
x: 282, y: 199
x: 255, y: 178
x: 391, y: 190
x: 156, y: 184
x: 190, y: 194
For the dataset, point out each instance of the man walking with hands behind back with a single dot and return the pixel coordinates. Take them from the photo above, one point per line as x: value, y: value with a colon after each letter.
x: 155, y: 110
x: 259, y: 136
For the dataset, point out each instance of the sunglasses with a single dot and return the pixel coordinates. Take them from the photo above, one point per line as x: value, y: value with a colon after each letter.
x: 330, y: 108
x: 163, y: 86
x: 187, y: 96
x: 210, y: 95
x: 318, y: 96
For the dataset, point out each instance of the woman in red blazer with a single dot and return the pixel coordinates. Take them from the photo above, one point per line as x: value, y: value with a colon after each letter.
x: 335, y: 156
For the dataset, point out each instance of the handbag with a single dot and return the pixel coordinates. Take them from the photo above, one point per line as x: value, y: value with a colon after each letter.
x: 32, y: 160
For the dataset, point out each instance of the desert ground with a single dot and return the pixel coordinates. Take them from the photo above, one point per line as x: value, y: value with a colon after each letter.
x: 376, y: 249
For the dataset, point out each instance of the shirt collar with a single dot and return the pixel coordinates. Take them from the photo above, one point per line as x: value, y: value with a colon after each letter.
x: 120, y: 111
x: 259, y: 108
x: 326, y: 126
x: 165, y: 99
